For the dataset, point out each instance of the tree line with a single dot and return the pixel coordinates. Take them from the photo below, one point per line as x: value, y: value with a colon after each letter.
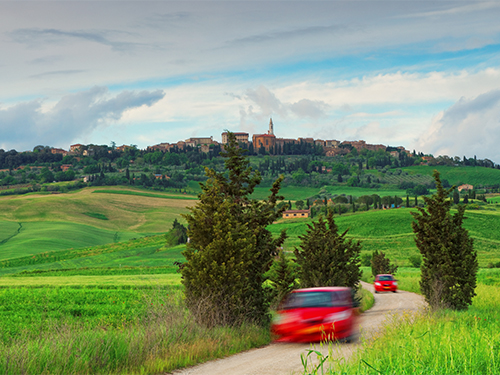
x: 231, y: 254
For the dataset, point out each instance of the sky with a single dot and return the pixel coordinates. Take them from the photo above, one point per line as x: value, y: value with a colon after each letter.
x: 420, y: 74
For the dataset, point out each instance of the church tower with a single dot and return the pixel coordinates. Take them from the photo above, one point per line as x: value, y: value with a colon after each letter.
x: 271, y: 127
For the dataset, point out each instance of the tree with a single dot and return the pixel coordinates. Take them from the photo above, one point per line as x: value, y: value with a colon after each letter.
x: 449, y: 261
x: 456, y: 197
x: 230, y: 248
x: 283, y: 275
x: 326, y: 258
x: 299, y: 204
x: 177, y: 235
x: 380, y: 264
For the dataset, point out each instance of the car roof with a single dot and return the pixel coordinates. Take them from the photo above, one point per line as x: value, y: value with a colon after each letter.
x: 384, y: 274
x: 322, y: 289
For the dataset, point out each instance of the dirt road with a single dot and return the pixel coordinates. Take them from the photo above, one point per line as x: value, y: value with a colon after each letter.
x: 284, y: 359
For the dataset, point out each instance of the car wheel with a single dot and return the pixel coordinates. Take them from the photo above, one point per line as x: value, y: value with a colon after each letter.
x: 394, y: 291
x: 376, y: 291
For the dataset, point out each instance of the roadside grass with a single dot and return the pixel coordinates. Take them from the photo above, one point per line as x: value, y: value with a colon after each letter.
x: 468, y: 341
x: 94, y: 331
x: 367, y: 300
x: 445, y: 342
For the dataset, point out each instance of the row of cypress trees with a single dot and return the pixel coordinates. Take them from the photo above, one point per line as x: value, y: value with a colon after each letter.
x: 231, y: 251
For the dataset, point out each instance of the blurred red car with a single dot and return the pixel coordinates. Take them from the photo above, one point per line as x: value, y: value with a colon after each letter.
x: 315, y: 314
x: 385, y: 283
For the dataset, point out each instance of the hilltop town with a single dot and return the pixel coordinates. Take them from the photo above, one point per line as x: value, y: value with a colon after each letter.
x: 259, y: 143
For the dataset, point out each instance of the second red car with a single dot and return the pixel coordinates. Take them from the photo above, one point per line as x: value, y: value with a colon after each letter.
x: 385, y: 283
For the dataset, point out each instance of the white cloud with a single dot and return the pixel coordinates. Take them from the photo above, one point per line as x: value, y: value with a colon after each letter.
x: 469, y: 127
x: 73, y: 117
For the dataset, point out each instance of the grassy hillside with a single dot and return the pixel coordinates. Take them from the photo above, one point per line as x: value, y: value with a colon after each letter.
x: 34, y: 223
x: 391, y: 232
x: 460, y: 175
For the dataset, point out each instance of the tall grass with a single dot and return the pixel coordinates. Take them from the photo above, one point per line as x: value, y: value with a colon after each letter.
x: 447, y: 342
x: 162, y: 338
x: 444, y: 342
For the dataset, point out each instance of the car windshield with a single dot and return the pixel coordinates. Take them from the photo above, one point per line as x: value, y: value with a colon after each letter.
x: 385, y: 278
x: 316, y: 299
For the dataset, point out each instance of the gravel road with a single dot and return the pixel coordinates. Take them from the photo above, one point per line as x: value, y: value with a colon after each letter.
x: 284, y: 358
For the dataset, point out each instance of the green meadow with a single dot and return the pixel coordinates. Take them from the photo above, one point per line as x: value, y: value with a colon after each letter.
x: 390, y: 231
x: 476, y: 176
x: 89, y: 271
x: 31, y: 224
x: 436, y: 343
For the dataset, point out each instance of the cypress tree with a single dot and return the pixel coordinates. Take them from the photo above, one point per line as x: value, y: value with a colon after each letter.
x: 283, y: 275
x: 327, y: 258
x: 449, y: 261
x: 230, y: 248
x: 380, y: 264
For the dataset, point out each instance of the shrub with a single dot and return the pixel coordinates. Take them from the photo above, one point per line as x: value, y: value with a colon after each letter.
x: 366, y: 259
x: 380, y: 264
x: 282, y: 278
x: 177, y: 235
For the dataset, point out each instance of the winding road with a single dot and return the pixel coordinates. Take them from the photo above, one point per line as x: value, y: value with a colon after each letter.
x: 284, y: 358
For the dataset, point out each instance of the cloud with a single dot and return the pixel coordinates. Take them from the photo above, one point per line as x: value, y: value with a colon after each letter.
x: 268, y: 105
x: 469, y: 127
x: 75, y: 116
x: 57, y: 73
x: 309, y: 108
x: 34, y: 36
x: 289, y: 34
x: 267, y: 102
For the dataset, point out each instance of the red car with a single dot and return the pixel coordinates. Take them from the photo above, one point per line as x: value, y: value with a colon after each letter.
x: 315, y: 314
x: 385, y: 283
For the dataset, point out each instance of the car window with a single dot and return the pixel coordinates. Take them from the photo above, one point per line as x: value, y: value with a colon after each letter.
x: 385, y: 278
x: 316, y: 299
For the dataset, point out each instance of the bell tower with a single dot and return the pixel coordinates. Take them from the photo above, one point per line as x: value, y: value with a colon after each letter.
x: 271, y: 127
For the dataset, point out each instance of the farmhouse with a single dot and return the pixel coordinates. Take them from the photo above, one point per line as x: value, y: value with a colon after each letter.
x: 465, y: 187
x: 293, y: 214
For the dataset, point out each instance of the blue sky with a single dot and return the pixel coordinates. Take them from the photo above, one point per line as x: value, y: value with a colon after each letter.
x: 420, y: 74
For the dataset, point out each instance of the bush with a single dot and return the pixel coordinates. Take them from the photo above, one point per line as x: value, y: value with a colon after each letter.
x: 366, y: 259
x: 381, y: 264
x: 177, y: 235
x: 415, y: 261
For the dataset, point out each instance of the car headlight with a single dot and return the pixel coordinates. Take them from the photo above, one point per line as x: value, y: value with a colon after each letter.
x: 378, y: 284
x: 395, y: 283
x: 343, y: 315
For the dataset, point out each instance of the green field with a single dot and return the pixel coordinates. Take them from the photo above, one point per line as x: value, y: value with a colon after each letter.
x: 34, y: 223
x: 475, y: 176
x: 390, y: 231
x: 467, y: 341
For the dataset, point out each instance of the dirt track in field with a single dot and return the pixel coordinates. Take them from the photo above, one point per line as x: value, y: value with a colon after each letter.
x: 284, y: 359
